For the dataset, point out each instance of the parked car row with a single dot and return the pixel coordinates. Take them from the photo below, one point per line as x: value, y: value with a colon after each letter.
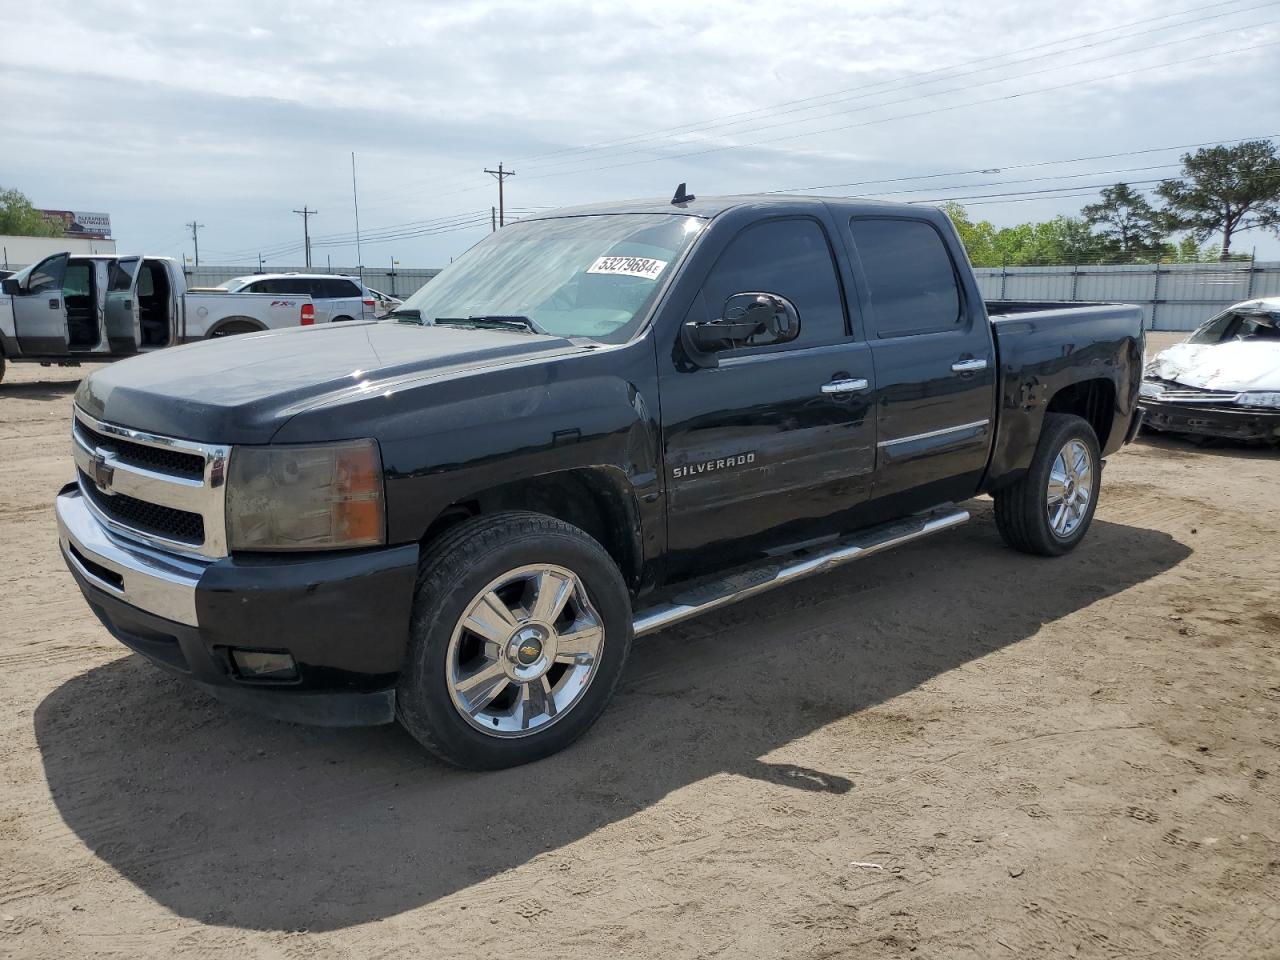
x: 70, y: 308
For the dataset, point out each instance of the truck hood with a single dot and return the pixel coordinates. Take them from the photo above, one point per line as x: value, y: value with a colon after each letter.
x: 242, y: 389
x: 1234, y: 365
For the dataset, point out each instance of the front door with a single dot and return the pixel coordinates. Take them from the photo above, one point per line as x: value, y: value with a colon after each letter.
x: 934, y: 361
x: 758, y: 455
x: 39, y: 314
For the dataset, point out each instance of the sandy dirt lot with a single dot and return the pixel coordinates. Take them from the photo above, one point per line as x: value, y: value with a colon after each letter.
x: 950, y: 751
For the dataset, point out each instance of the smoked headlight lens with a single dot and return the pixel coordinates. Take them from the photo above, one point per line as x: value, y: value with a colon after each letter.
x: 313, y: 497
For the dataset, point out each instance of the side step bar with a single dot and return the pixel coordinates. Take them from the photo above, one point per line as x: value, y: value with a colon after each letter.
x: 739, y: 586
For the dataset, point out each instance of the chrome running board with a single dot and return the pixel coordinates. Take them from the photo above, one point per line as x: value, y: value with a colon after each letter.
x: 720, y: 593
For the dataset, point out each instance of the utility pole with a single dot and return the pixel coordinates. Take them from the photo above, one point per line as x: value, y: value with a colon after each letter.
x: 306, y: 233
x: 392, y: 275
x: 355, y: 203
x: 500, y: 175
x: 493, y: 219
x: 195, y: 238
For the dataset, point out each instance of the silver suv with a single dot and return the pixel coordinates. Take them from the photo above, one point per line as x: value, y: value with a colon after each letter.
x: 336, y: 298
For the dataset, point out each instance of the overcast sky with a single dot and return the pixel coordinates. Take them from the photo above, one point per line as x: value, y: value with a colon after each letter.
x: 236, y: 113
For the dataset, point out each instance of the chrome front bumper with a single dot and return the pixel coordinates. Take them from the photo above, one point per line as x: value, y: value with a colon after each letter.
x: 151, y: 580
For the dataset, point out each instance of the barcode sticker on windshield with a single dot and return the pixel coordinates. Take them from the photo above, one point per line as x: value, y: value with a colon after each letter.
x: 629, y: 266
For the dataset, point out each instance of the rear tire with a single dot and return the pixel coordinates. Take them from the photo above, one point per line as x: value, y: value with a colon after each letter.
x: 521, y: 627
x: 1049, y: 510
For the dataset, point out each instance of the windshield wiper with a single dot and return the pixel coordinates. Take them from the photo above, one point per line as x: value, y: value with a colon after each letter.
x: 406, y: 314
x: 495, y: 320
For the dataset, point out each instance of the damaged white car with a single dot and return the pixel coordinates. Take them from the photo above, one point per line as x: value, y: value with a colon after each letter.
x: 1224, y: 381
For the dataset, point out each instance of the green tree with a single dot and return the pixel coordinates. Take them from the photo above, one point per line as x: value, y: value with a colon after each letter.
x: 1226, y: 190
x: 1060, y: 240
x: 18, y: 218
x: 1129, y: 224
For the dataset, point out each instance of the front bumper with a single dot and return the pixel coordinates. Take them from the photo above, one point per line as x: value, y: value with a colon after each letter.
x: 1229, y: 422
x: 342, y: 616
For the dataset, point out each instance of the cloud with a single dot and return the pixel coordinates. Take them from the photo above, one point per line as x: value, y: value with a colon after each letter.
x: 237, y: 112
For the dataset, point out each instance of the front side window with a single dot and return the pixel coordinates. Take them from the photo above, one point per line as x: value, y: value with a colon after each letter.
x: 46, y: 276
x: 590, y: 276
x: 790, y: 258
x: 910, y: 277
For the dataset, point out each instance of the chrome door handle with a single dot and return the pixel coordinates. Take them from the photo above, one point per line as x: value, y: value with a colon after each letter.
x: 968, y: 366
x: 837, y: 387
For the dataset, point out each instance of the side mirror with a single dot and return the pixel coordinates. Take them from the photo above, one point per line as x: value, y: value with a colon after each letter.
x: 748, y: 320
x: 11, y: 286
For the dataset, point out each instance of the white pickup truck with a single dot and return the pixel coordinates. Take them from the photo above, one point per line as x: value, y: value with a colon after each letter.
x: 69, y: 308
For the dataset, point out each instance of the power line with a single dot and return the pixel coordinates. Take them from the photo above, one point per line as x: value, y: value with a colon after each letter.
x: 987, y: 59
x: 637, y: 138
x: 1023, y: 166
x: 919, y: 113
x: 983, y: 69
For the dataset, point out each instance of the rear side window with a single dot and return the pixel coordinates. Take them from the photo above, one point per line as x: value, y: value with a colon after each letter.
x: 790, y: 258
x: 120, y: 274
x: 78, y: 280
x: 910, y: 276
x: 334, y: 287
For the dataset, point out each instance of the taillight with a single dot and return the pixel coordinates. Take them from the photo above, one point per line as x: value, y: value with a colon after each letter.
x: 370, y: 304
x: 308, y: 314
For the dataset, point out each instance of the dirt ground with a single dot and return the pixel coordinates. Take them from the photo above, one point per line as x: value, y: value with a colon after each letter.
x: 948, y: 751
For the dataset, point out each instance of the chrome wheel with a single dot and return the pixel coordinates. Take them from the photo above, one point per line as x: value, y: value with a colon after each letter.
x: 524, y: 652
x: 1070, y: 488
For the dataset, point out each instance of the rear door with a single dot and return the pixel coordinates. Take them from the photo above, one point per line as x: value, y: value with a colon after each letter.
x: 344, y: 298
x: 39, y: 314
x: 123, y: 310
x: 934, y: 361
x: 757, y: 454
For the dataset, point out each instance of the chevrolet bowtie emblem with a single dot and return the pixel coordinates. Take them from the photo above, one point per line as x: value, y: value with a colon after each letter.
x: 103, y: 474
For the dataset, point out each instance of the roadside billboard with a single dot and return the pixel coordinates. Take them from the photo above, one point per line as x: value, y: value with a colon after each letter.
x: 78, y: 223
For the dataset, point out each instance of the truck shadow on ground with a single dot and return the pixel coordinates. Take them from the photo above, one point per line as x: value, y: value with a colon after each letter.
x: 239, y: 821
x: 39, y: 389
x: 1184, y: 446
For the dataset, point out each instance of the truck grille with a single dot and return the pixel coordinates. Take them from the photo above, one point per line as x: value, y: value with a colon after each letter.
x: 163, y: 491
x: 1175, y: 392
x: 150, y: 518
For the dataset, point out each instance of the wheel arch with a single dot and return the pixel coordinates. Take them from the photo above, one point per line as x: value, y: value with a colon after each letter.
x: 598, y: 500
x: 256, y: 325
x: 1093, y: 401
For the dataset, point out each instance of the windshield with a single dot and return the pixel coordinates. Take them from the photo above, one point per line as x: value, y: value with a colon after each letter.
x: 234, y: 284
x: 1234, y: 325
x: 589, y: 276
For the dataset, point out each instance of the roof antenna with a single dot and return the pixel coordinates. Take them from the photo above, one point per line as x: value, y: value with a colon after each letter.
x: 681, y: 198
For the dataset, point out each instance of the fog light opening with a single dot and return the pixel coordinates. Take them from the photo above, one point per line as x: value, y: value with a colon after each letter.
x: 263, y: 665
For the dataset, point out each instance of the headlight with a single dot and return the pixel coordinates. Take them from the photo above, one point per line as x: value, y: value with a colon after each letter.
x: 1150, y: 390
x: 1259, y: 398
x: 314, y: 497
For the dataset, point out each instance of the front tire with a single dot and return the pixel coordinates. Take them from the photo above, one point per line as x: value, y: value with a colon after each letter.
x: 1049, y: 510
x: 521, y: 627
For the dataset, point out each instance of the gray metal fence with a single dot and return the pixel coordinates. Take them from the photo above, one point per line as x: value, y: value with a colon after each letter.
x: 400, y: 284
x: 1173, y: 296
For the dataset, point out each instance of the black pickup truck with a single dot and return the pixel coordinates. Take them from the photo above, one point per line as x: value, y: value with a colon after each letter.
x: 594, y: 424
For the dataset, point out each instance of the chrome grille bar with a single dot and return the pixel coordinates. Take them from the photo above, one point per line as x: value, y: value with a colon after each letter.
x: 108, y: 459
